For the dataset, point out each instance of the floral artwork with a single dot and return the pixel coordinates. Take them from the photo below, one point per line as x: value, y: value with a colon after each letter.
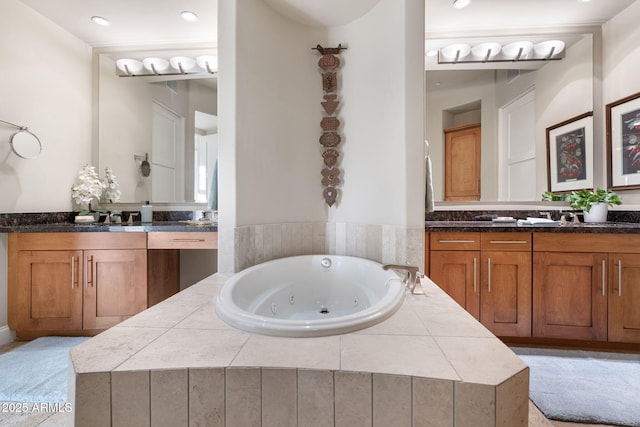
x: 631, y: 142
x: 571, y: 155
x: 623, y: 143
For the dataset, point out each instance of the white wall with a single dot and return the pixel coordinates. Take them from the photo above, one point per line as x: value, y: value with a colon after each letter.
x: 124, y: 128
x: 621, y: 62
x: 277, y: 108
x: 269, y: 102
x: 564, y: 89
x: 45, y: 85
x: 382, y: 92
x: 269, y: 121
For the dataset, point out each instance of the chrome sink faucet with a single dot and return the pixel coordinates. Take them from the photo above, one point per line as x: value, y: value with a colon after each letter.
x: 546, y: 215
x: 411, y: 280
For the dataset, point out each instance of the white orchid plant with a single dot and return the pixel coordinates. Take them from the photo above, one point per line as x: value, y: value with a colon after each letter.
x: 111, y: 193
x: 89, y: 187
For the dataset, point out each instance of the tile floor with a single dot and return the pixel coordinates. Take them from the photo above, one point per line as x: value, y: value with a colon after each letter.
x: 48, y: 419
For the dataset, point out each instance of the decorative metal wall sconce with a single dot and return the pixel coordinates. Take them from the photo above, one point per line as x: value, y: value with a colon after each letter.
x: 25, y: 144
x: 329, y: 64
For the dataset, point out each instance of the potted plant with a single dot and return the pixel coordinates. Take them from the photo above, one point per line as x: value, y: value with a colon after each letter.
x: 548, y: 196
x: 594, y: 204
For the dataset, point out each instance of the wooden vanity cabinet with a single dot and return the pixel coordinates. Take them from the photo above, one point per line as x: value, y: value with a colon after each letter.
x: 624, y: 297
x: 453, y: 266
x: 75, y: 281
x: 584, y: 294
x: 47, y: 292
x: 505, y: 294
x: 115, y: 286
x: 569, y: 295
x: 489, y: 274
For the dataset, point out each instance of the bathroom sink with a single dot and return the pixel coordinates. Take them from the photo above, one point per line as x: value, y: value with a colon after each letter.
x: 131, y: 228
x: 538, y: 222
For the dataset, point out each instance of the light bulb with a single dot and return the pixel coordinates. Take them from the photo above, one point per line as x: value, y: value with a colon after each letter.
x: 461, y: 4
x: 100, y: 21
x: 189, y: 16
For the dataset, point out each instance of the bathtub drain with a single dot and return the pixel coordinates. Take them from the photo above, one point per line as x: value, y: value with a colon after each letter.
x: 324, y: 310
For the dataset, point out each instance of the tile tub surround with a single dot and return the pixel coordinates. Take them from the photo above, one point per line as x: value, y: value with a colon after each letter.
x: 177, y: 363
x: 386, y: 244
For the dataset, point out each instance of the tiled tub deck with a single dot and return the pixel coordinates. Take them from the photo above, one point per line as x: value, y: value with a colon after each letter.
x: 178, y: 364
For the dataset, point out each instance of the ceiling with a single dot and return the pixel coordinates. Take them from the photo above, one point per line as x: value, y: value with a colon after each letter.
x: 154, y: 22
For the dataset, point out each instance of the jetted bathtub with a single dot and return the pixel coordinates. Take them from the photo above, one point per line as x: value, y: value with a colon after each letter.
x: 310, y: 295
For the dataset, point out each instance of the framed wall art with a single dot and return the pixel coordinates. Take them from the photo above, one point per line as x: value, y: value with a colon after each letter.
x: 570, y: 154
x: 623, y: 143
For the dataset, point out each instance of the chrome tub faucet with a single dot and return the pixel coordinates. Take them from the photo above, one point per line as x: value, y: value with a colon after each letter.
x: 411, y: 280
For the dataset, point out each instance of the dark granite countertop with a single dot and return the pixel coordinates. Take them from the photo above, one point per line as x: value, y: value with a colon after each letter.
x: 60, y: 222
x: 489, y: 226
x: 137, y: 227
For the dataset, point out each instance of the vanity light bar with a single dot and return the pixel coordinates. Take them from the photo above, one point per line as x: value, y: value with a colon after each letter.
x: 177, y: 65
x: 462, y: 53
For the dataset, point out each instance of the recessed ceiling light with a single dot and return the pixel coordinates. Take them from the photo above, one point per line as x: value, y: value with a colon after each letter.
x: 189, y: 16
x: 461, y: 4
x: 584, y: 1
x: 100, y: 21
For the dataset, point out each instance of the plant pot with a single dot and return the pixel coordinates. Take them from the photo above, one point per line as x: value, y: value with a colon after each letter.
x: 598, y: 213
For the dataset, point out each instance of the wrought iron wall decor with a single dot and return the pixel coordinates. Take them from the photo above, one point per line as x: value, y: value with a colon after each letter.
x: 329, y: 64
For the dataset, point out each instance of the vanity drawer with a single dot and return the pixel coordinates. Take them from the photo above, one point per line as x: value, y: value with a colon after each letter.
x: 519, y: 242
x: 182, y: 240
x: 454, y: 241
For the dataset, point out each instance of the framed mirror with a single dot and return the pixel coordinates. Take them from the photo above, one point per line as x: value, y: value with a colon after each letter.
x: 165, y: 125
x: 513, y: 104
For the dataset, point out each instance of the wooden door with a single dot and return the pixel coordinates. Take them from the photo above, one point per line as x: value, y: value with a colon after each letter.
x: 48, y: 295
x: 624, y: 298
x: 115, y: 286
x: 569, y: 295
x: 506, y: 293
x: 462, y: 163
x: 457, y: 273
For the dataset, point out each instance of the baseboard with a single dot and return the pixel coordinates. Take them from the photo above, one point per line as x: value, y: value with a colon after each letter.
x: 6, y: 336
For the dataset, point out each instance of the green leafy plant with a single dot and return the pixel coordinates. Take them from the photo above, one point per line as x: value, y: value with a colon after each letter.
x: 548, y: 196
x: 584, y: 199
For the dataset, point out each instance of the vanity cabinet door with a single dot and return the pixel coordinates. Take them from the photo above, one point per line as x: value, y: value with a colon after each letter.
x: 115, y: 286
x: 458, y: 274
x: 48, y: 291
x: 624, y: 298
x: 506, y: 293
x: 569, y: 295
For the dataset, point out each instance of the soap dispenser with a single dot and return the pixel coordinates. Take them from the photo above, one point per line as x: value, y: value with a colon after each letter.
x: 146, y: 213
